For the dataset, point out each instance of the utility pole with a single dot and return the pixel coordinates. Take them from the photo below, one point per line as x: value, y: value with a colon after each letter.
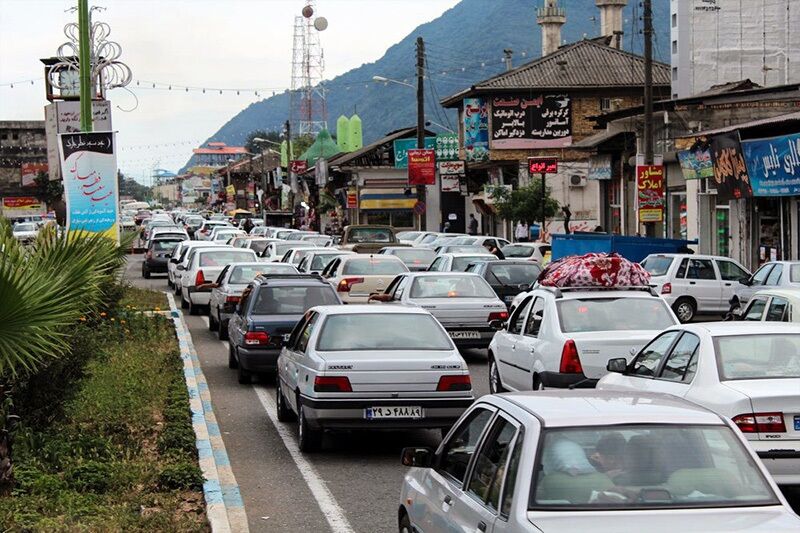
x: 421, y: 116
x: 648, y: 95
x: 85, y: 61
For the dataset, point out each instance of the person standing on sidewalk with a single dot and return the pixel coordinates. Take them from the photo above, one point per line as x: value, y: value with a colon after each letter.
x: 473, y: 225
x: 522, y: 233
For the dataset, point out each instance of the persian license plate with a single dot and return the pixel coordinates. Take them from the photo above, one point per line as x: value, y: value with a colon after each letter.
x: 286, y: 337
x: 509, y: 299
x: 797, y: 423
x: 394, y: 411
x: 465, y: 335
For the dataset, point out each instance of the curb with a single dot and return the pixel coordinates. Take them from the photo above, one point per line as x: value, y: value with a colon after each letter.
x: 224, y: 506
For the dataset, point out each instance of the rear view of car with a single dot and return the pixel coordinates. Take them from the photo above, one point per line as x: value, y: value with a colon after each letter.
x: 158, y: 254
x: 416, y: 259
x: 356, y: 277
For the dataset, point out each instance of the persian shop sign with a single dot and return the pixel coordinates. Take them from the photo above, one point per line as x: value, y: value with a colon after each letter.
x: 523, y: 122
x: 650, y: 192
x: 774, y: 165
x: 543, y: 165
x: 421, y: 167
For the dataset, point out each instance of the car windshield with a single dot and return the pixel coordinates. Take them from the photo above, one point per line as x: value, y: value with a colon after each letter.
x: 224, y: 235
x: 414, y: 256
x: 613, y: 314
x: 765, y: 356
x: 451, y: 287
x: 320, y: 261
x: 513, y: 250
x: 794, y: 273
x: 372, y: 266
x: 657, y: 265
x: 429, y: 239
x: 292, y: 300
x: 635, y: 467
x: 299, y: 255
x: 25, y: 227
x: 282, y: 248
x: 378, y: 332
x: 409, y: 235
x: 258, y: 245
x: 164, y: 245
x: 370, y: 235
x: 463, y: 249
x: 225, y: 257
x: 317, y: 239
x: 241, y: 275
x: 513, y: 274
x: 460, y: 264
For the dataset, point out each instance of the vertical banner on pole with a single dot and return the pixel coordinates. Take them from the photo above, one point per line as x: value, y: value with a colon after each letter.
x: 89, y: 168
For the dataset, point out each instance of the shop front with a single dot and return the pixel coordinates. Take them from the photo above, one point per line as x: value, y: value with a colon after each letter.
x: 387, y: 206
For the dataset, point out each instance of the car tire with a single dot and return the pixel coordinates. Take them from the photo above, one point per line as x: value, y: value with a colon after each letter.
x: 184, y: 303
x: 495, y: 383
x: 232, y: 362
x: 684, y: 309
x: 308, y: 439
x: 145, y: 273
x: 538, y: 384
x: 242, y: 376
x: 284, y: 413
x: 404, y: 526
x: 222, y: 331
x: 169, y: 282
x: 212, y: 322
x: 194, y: 309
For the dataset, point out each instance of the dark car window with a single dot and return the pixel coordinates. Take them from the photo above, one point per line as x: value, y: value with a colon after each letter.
x: 755, y: 310
x: 680, y: 362
x: 761, y: 274
x: 517, y: 319
x: 657, y: 265
x: 164, y: 246
x: 505, y: 274
x: 536, y: 318
x: 774, y: 277
x: 730, y: 271
x: 700, y: 269
x: 777, y: 311
x: 382, y: 332
x: 292, y: 300
x: 305, y: 334
x: 487, y: 475
x: 459, y: 448
x: 647, y: 362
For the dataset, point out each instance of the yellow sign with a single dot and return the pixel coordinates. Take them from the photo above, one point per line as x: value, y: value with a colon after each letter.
x: 231, y: 190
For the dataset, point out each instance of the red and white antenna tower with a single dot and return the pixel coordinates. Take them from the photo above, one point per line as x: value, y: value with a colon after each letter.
x: 308, y: 111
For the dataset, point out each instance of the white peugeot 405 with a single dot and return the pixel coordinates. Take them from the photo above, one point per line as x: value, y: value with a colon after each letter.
x: 599, y: 461
x: 370, y: 367
x: 749, y: 372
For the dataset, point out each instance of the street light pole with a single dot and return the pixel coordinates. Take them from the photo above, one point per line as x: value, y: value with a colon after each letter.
x: 421, y: 117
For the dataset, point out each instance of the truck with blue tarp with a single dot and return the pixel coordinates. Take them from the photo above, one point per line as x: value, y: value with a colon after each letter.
x: 632, y: 248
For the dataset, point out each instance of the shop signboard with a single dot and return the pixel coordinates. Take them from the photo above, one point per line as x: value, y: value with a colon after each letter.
x: 599, y: 167
x: 421, y: 167
x: 352, y: 199
x: 774, y: 165
x: 730, y: 171
x: 542, y: 165
x: 476, y: 130
x: 447, y: 147
x: 528, y: 121
x: 452, y: 174
x: 89, y: 167
x: 30, y: 171
x: 650, y: 192
x: 298, y: 166
x: 402, y: 146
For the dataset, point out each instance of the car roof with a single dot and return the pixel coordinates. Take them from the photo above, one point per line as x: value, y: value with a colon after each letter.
x: 598, y: 292
x: 790, y: 293
x: 455, y: 255
x: 529, y: 244
x: 692, y: 256
x: 351, y: 309
x: 592, y: 407
x: 719, y: 329
x: 379, y: 257
x: 426, y: 273
x: 291, y: 278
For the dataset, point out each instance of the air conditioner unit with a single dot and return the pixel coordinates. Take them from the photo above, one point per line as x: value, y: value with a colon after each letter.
x: 577, y: 181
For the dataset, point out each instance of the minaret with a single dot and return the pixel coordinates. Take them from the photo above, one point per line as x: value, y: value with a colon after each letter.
x: 551, y: 18
x: 611, y: 19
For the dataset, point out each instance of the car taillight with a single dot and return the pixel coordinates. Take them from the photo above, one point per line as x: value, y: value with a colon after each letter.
x: 666, y: 288
x: 454, y: 383
x: 256, y: 338
x: 347, y: 283
x: 498, y: 315
x: 760, y: 423
x: 332, y: 384
x: 230, y: 303
x: 199, y: 279
x: 570, y: 362
x: 232, y: 299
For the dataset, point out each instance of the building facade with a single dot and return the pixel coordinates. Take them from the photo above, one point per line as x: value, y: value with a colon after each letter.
x: 23, y: 154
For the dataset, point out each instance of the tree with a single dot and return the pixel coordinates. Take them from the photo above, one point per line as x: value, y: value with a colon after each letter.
x: 134, y: 189
x: 48, y: 191
x: 255, y: 147
x: 525, y: 203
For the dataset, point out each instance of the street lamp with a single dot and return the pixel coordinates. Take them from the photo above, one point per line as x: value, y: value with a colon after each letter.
x: 428, y: 122
x: 389, y: 80
x: 260, y: 140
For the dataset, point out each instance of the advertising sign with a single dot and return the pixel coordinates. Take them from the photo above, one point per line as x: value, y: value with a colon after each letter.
x: 421, y: 167
x: 476, y: 130
x: 452, y: 174
x: 352, y: 199
x: 447, y: 147
x: 774, y: 165
x: 730, y: 170
x: 543, y: 165
x: 650, y: 192
x: 89, y: 168
x: 696, y: 162
x: 298, y: 166
x: 402, y: 146
x: 523, y: 122
x: 22, y: 202
x: 30, y: 171
x: 599, y: 167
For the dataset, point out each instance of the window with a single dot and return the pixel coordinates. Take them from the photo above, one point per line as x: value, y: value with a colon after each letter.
x: 674, y: 73
x: 383, y: 332
x: 437, y: 264
x: 761, y: 274
x: 700, y: 269
x: 460, y: 264
x: 646, y: 363
x: 681, y: 359
x: 605, y: 104
x: 400, y: 288
x: 305, y: 334
x: 536, y: 317
x: 455, y: 286
x: 674, y: 47
x: 487, y: 475
x: 756, y: 309
x: 222, y: 275
x: 292, y: 300
x: 730, y: 271
x: 511, y: 476
x: 681, y: 273
x: 457, y: 452
x: 225, y: 257
x: 602, y: 314
x: 506, y: 274
x: 794, y: 273
x: 774, y: 277
x: 674, y: 20
x: 657, y: 265
x: 777, y: 311
x: 764, y: 356
x: 517, y: 319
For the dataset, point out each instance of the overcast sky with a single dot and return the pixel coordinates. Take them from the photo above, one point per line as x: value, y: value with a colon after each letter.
x: 238, y: 44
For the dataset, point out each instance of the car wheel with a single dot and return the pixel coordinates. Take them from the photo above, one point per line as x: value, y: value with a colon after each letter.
x: 232, y: 362
x: 495, y: 384
x: 222, y: 332
x: 242, y: 375
x: 405, y: 524
x: 169, y: 283
x: 212, y: 322
x: 194, y: 309
x: 309, y: 439
x: 285, y: 414
x: 145, y: 273
x: 184, y: 303
x: 684, y: 309
x: 538, y: 385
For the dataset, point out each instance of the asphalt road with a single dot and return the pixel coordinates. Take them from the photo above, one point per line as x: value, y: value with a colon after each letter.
x: 353, y: 484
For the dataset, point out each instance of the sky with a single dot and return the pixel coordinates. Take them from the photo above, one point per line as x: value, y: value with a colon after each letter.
x: 221, y: 44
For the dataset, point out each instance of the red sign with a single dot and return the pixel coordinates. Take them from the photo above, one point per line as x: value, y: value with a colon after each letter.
x: 298, y: 166
x: 543, y: 165
x: 421, y: 167
x: 21, y: 202
x: 30, y: 171
x: 650, y: 192
x: 352, y: 199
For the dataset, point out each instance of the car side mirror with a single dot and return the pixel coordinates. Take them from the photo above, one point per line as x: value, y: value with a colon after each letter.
x: 618, y: 365
x: 497, y: 324
x: 746, y: 281
x: 173, y: 261
x: 417, y: 457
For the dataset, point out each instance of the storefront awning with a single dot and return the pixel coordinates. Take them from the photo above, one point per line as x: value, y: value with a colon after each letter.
x: 386, y: 199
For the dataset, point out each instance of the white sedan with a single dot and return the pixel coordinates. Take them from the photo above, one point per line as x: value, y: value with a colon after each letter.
x: 369, y: 367
x: 749, y: 372
x: 575, y: 461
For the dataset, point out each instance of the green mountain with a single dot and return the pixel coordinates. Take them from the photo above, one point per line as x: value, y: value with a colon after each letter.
x: 464, y: 45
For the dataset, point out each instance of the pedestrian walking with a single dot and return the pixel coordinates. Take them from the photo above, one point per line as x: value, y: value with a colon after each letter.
x: 473, y: 225
x: 446, y: 227
x: 522, y: 233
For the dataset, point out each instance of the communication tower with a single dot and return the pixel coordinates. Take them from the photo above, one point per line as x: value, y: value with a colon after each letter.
x: 308, y: 110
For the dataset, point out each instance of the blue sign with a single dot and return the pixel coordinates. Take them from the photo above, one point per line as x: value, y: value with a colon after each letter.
x: 402, y: 146
x: 774, y: 165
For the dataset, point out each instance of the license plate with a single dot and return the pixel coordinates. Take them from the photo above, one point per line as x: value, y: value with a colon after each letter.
x: 797, y: 423
x: 286, y: 337
x: 398, y: 411
x: 465, y: 335
x: 509, y: 299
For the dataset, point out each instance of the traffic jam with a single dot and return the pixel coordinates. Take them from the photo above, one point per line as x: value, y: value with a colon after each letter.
x: 656, y: 394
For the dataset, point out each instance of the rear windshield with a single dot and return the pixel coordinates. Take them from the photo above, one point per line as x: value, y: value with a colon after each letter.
x: 283, y: 247
x: 320, y: 261
x: 460, y: 264
x: 164, y: 246
x: 245, y: 274
x: 317, y: 239
x: 411, y: 256
x: 25, y: 227
x: 513, y: 274
x: 369, y: 235
x: 373, y: 267
x: 292, y: 300
x: 451, y: 287
x: 758, y: 356
x: 794, y: 273
x: 657, y: 266
x: 640, y: 467
x: 382, y: 332
x: 258, y: 246
x: 512, y: 250
x: 429, y: 239
x: 299, y: 255
x: 225, y: 257
x: 613, y: 314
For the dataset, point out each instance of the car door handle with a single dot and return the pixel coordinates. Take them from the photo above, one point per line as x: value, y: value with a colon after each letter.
x: 728, y: 284
x: 692, y: 283
x: 513, y: 347
x: 481, y: 526
x: 448, y: 500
